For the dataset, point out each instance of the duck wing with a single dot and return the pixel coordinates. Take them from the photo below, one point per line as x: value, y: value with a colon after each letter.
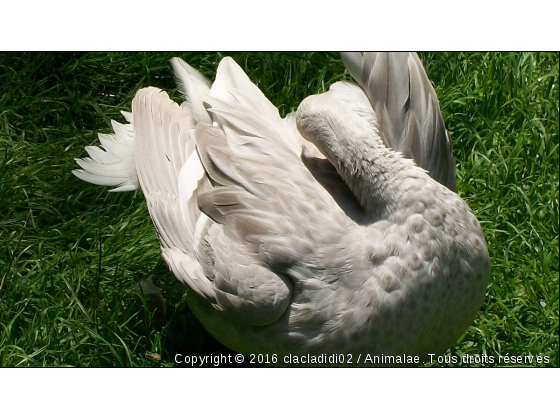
x: 241, y: 165
x: 407, y: 109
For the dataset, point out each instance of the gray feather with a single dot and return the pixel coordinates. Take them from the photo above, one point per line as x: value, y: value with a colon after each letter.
x: 407, y: 109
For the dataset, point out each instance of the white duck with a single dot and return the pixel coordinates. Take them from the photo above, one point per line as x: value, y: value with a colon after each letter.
x: 286, y: 252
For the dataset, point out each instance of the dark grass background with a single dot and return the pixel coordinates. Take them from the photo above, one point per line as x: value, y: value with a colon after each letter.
x: 71, y: 253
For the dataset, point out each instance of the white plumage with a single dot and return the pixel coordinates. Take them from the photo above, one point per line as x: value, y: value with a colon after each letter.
x: 312, y: 234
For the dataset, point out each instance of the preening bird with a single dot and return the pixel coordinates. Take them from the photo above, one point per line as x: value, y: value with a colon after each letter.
x: 335, y: 230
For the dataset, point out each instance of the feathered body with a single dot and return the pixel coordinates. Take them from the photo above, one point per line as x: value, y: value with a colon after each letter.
x: 312, y: 234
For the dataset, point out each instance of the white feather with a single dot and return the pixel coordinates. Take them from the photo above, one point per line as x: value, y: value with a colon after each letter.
x: 192, y: 84
x: 113, y: 165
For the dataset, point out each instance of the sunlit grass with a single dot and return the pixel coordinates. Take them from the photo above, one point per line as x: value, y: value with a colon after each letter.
x: 71, y: 254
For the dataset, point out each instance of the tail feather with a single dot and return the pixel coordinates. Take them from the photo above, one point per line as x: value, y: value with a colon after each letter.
x: 112, y: 165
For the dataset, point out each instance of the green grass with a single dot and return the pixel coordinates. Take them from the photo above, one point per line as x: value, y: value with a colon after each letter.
x: 71, y: 254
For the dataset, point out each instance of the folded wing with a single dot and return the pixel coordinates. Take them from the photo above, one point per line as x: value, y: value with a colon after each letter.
x: 407, y: 109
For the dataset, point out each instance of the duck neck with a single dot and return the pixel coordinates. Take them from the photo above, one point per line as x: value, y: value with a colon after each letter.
x: 342, y: 124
